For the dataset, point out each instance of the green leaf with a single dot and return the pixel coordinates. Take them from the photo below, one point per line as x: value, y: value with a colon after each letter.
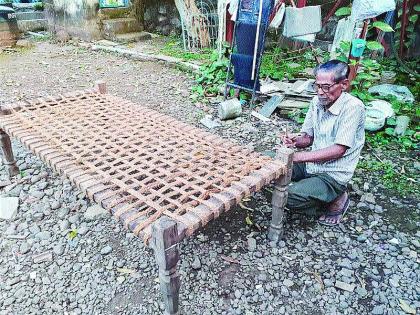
x: 413, y: 18
x: 389, y: 131
x: 343, y: 11
x: 417, y: 8
x: 374, y: 45
x: 383, y: 26
x: 345, y: 45
x: 391, y: 121
x: 248, y: 221
x: 72, y: 234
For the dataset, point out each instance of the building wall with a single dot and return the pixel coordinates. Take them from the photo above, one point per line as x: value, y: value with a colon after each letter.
x: 161, y: 16
x: 76, y: 17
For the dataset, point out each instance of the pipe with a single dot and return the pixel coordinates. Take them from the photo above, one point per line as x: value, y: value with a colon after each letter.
x: 257, y: 39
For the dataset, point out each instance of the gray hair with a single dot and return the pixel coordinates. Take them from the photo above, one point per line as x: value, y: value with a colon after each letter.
x: 339, y: 68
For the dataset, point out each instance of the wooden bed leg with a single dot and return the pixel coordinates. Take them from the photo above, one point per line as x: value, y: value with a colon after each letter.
x: 100, y: 86
x: 165, y: 245
x: 279, y: 200
x: 8, y: 158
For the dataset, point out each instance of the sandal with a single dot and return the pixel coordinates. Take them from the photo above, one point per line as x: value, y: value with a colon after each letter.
x: 333, y: 214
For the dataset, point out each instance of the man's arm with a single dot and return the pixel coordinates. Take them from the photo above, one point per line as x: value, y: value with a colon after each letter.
x: 330, y: 153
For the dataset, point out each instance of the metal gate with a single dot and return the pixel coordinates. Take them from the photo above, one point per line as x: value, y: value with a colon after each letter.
x: 207, y: 21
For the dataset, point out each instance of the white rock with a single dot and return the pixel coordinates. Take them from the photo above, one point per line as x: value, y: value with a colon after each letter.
x: 94, y: 212
x: 8, y: 207
x: 394, y: 241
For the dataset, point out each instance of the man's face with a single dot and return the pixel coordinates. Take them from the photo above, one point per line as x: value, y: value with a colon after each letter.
x: 329, y: 90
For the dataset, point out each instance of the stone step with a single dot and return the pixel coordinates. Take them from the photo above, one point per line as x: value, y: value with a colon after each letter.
x: 120, y: 26
x: 32, y: 25
x: 132, y: 37
x: 35, y: 15
x: 114, y: 13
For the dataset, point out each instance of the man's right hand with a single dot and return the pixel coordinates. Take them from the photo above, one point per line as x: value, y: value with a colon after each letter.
x: 296, y: 140
x: 289, y: 141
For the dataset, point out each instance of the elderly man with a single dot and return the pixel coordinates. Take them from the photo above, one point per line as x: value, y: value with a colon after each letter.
x: 334, y: 127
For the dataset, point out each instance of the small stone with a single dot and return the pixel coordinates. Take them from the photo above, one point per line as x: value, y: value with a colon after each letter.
x: 416, y: 243
x: 43, y: 235
x: 106, y: 250
x: 58, y: 249
x: 94, y: 212
x: 361, y: 292
x: 378, y: 310
x: 74, y: 218
x: 288, y: 283
x: 55, y: 205
x: 344, y: 286
x: 238, y: 294
x: 196, y: 264
x: 362, y: 206
x: 120, y: 279
x: 362, y: 238
x: 38, y: 194
x: 35, y: 179
x: 24, y: 248
x: 252, y: 244
x: 44, y: 257
x: 394, y: 241
x: 8, y: 207
x: 368, y: 197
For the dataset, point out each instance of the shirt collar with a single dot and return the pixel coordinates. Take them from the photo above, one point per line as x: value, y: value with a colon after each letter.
x: 338, y: 104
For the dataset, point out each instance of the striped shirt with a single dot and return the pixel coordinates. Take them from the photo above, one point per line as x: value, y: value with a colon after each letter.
x: 343, y: 123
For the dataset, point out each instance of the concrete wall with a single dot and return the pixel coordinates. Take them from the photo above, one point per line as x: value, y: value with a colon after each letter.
x: 76, y: 17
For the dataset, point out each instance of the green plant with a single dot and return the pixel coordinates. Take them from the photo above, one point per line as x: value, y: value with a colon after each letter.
x: 411, y: 32
x: 211, y: 77
x: 39, y: 6
x: 72, y: 234
x: 174, y: 48
x: 390, y: 177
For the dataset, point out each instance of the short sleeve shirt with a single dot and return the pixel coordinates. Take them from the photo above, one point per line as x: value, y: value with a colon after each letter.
x: 343, y: 123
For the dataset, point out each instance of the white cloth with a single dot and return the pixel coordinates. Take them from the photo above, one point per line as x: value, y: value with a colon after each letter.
x: 367, y: 9
x: 278, y: 18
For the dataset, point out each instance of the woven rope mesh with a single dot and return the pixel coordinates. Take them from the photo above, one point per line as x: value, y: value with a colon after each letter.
x: 137, y: 162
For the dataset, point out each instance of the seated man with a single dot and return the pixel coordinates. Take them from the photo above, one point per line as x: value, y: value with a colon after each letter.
x: 334, y: 127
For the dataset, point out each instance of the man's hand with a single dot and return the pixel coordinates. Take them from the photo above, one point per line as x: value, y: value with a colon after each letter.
x: 296, y: 140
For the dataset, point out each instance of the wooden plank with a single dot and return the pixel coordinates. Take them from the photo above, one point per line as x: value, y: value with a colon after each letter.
x: 271, y: 105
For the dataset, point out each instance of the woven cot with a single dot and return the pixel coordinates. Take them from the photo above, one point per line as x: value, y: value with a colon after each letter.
x: 136, y: 162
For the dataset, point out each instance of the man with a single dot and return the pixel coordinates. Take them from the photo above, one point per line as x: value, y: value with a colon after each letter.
x: 334, y: 127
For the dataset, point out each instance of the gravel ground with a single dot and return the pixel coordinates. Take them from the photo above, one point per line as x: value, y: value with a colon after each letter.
x: 367, y: 265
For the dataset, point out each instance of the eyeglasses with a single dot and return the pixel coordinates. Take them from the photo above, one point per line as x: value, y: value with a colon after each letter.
x: 324, y: 87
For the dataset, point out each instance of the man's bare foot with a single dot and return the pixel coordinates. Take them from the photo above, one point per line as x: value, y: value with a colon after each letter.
x: 335, y: 210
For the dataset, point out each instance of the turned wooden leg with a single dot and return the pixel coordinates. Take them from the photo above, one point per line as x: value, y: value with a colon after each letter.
x: 279, y: 200
x: 165, y: 245
x: 100, y: 86
x: 8, y: 158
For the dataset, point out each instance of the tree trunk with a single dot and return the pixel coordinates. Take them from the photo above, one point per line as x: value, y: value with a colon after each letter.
x: 139, y: 8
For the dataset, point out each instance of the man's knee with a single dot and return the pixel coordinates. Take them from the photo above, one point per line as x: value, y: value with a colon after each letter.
x: 296, y: 199
x: 300, y: 199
